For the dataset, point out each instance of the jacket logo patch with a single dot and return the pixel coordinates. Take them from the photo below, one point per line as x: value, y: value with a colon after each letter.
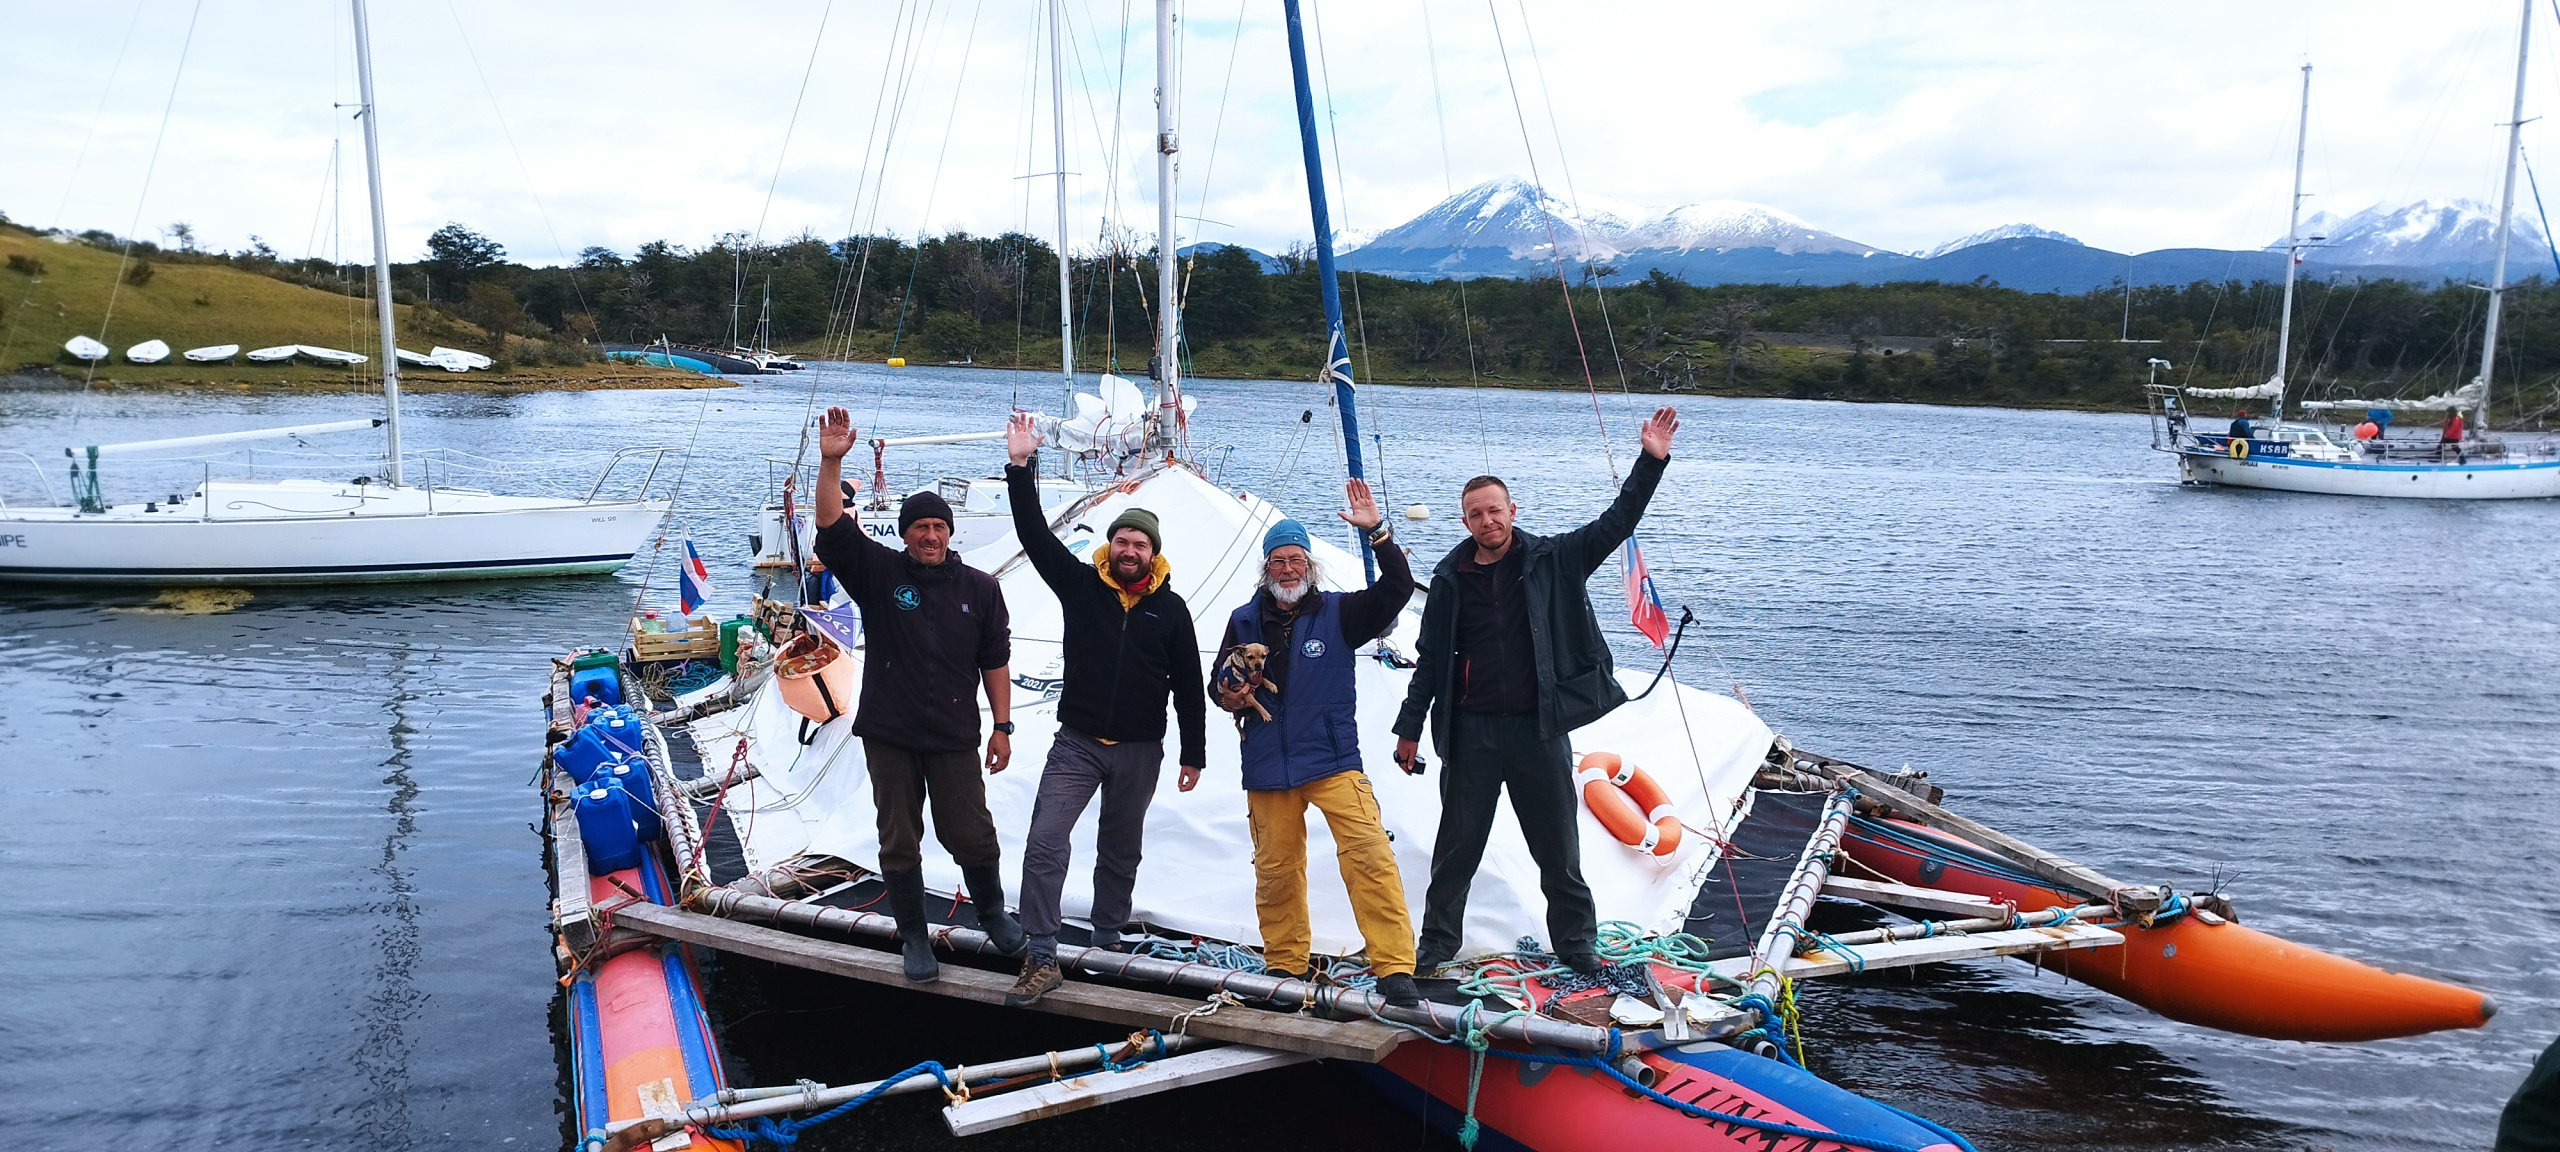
x: 1312, y: 649
x: 906, y: 597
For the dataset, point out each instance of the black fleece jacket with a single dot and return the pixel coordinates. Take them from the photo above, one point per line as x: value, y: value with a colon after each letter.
x: 1120, y: 664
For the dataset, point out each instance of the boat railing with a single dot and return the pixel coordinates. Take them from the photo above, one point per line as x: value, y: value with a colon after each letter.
x: 657, y: 454
x: 33, y: 465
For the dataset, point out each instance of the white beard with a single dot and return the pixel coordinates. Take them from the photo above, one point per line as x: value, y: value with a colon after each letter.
x: 1289, y: 597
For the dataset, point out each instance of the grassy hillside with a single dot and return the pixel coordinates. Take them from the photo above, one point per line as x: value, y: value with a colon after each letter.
x: 51, y: 291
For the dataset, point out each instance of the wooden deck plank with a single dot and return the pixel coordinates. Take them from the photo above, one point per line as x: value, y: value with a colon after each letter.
x: 1094, y: 1089
x: 1361, y: 1040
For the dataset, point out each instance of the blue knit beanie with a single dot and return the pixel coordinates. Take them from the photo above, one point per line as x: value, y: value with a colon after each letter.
x: 1285, y: 533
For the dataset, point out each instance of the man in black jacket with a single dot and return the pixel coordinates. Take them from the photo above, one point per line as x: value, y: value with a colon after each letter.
x: 1512, y: 661
x: 936, y: 629
x: 1128, y: 644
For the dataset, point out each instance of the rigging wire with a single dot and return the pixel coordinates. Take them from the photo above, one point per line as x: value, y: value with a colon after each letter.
x: 858, y: 270
x: 933, y: 190
x: 1537, y: 63
x: 576, y: 286
x: 1342, y: 197
x: 1449, y: 187
x: 71, y: 183
x: 125, y: 256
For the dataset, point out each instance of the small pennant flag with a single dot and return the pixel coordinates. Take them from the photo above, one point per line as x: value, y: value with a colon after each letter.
x: 695, y: 585
x: 1643, y: 603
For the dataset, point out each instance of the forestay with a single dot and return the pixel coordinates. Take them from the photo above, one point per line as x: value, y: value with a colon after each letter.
x: 1198, y: 873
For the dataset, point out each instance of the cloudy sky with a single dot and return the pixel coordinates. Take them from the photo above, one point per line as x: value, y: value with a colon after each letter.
x: 554, y: 127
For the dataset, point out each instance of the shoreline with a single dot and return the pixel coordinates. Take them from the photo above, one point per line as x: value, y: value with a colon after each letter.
x: 55, y: 380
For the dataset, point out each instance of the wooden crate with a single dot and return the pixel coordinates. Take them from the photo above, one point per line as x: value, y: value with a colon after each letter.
x: 699, y: 640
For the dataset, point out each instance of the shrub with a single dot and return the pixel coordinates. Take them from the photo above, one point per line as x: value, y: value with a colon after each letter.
x: 140, y: 274
x: 26, y: 265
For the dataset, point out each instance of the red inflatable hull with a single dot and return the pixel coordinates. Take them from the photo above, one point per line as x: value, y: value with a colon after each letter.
x: 2224, y: 976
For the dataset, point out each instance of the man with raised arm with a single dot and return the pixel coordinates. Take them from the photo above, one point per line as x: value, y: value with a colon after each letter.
x: 1300, y: 728
x: 1512, y: 661
x: 1128, y: 645
x: 935, y: 630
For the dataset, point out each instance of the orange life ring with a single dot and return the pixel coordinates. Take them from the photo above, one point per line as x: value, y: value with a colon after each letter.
x: 1628, y: 803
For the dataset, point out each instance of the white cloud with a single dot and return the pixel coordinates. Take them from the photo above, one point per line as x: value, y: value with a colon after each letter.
x: 1893, y: 124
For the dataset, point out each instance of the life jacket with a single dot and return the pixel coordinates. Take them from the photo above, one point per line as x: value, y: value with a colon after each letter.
x: 1313, y: 731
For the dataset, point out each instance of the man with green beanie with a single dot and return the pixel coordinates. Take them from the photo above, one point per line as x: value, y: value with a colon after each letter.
x: 1128, y: 645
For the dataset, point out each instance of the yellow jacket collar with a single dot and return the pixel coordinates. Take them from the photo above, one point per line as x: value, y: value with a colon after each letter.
x: 1157, y: 574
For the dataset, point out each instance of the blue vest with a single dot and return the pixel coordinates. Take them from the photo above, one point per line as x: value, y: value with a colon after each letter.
x: 1313, y: 731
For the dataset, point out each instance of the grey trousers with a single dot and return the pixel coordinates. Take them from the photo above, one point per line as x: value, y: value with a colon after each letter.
x: 903, y: 778
x: 1125, y: 774
x: 1494, y: 752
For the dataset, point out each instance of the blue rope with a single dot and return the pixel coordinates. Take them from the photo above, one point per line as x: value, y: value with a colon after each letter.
x: 1110, y: 1065
x: 1824, y: 942
x: 785, y: 1133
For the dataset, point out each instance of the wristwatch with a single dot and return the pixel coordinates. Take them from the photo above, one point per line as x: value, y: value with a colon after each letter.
x: 1381, y: 534
x: 1004, y: 726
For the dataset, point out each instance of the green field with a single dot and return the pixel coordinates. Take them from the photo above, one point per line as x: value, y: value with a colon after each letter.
x: 193, y: 305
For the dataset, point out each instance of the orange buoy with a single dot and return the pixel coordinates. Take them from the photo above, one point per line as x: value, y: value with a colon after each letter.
x: 1629, y: 804
x: 2368, y: 430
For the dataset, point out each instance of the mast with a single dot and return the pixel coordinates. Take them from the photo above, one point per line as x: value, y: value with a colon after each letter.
x: 1337, y: 357
x: 1058, y: 126
x: 2292, y: 250
x: 2506, y: 223
x: 382, y: 249
x: 1168, y: 312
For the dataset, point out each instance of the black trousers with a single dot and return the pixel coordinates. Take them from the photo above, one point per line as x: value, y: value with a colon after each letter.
x: 1493, y: 752
x: 901, y: 781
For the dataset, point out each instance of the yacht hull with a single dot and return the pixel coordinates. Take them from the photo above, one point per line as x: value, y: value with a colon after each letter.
x: 308, y: 534
x: 2451, y: 480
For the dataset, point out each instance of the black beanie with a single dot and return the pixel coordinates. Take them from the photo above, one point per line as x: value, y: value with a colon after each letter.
x: 926, y: 505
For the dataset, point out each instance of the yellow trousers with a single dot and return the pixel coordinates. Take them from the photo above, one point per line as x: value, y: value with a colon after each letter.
x: 1368, y: 862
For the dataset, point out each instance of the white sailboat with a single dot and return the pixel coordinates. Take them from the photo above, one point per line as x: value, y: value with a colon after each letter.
x: 323, y: 531
x: 148, y: 352
x: 2302, y: 457
x: 84, y: 348
x: 213, y: 354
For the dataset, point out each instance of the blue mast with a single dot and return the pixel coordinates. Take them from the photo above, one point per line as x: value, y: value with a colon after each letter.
x: 1337, y: 361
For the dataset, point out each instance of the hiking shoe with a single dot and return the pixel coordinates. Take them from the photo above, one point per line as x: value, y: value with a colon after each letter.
x: 1400, y: 991
x: 1039, y: 975
x: 1583, y: 963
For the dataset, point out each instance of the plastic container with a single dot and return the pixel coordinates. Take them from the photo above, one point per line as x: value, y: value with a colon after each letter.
x: 603, y: 683
x: 593, y: 658
x: 729, y: 630
x: 582, y: 753
x: 605, y: 827
x: 618, y: 734
x: 651, y: 623
x: 631, y: 775
x: 817, y: 681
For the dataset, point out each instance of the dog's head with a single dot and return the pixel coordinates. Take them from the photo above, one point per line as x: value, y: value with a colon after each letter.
x: 1250, y: 657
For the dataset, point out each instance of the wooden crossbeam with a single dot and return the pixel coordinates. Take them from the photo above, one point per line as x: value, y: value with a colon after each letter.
x: 1094, y: 1089
x: 1935, y: 950
x: 1362, y: 1040
x: 2046, y: 866
x: 1907, y: 896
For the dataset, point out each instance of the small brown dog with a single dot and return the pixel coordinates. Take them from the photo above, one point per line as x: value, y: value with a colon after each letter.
x: 1243, y: 665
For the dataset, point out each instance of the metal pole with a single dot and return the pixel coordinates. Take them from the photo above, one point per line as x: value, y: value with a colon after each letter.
x: 1058, y: 129
x: 1168, y: 310
x: 381, y: 248
x: 2292, y: 248
x: 1287, y: 993
x: 1337, y: 357
x: 1778, y: 941
x: 2506, y: 223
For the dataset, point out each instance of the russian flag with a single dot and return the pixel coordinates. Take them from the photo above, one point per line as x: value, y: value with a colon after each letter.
x: 1644, y: 605
x: 694, y: 587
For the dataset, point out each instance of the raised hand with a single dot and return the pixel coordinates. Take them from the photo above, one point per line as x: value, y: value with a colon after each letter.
x: 1656, y: 435
x: 1363, y: 513
x: 1021, y: 438
x: 836, y: 434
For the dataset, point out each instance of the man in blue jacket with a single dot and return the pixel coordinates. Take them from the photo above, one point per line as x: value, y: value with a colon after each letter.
x: 1512, y: 660
x: 1308, y: 751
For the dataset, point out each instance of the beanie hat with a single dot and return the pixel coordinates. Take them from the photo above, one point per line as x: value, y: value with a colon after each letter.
x: 1285, y: 533
x: 1143, y: 521
x: 927, y: 505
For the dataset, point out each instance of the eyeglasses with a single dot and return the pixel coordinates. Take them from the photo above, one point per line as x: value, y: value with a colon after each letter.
x: 1292, y: 564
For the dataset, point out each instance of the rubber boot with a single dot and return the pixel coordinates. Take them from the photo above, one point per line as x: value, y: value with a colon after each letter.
x: 906, y: 904
x: 986, y: 893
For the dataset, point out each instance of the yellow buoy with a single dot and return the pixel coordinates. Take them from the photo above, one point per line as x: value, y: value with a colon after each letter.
x: 897, y: 361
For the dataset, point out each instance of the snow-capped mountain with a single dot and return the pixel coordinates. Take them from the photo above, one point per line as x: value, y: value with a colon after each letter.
x: 1513, y: 215
x: 2439, y: 234
x: 1729, y: 224
x: 2003, y: 232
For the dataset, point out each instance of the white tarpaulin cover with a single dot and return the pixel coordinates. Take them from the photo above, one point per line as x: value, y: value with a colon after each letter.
x: 2467, y: 396
x: 1112, y: 424
x: 1198, y: 871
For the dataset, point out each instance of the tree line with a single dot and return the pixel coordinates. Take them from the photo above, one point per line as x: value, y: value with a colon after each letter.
x: 993, y: 300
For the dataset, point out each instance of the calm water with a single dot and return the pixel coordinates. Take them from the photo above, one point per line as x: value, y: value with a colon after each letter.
x: 273, y: 881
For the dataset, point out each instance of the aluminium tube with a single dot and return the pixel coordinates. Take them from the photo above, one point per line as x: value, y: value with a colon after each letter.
x: 1896, y: 933
x: 1181, y: 974
x: 1803, y: 888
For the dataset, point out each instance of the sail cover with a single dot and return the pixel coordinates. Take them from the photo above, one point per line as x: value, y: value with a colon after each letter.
x: 1197, y: 878
x: 2274, y: 387
x: 2466, y: 397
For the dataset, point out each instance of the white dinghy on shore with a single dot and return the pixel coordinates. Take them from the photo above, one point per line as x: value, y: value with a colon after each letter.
x: 332, y: 355
x: 457, y: 360
x: 148, y: 352
x: 213, y: 354
x: 276, y: 355
x: 85, y: 349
